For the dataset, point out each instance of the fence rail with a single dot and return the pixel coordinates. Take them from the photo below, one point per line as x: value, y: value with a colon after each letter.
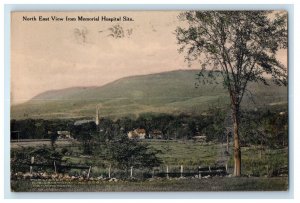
x: 65, y: 166
x: 109, y: 172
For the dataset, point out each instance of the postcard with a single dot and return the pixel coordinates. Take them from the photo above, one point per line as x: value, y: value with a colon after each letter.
x: 156, y: 101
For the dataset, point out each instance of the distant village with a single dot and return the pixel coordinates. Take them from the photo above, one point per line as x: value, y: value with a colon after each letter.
x: 134, y: 134
x: 211, y: 126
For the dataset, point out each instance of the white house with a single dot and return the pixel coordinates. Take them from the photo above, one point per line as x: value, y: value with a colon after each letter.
x: 64, y: 134
x: 138, y: 133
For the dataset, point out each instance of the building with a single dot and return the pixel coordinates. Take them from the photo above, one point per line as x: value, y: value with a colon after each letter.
x: 63, y: 134
x: 138, y: 133
x: 156, y: 134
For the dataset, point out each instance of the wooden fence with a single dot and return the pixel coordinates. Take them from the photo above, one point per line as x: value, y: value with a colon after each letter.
x: 109, y: 172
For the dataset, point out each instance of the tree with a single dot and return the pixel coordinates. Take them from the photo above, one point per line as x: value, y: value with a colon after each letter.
x: 238, y: 46
x: 20, y: 158
x: 84, y: 133
x: 126, y: 153
x: 53, y: 138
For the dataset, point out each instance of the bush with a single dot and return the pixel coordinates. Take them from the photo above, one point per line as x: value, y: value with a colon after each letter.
x: 126, y: 153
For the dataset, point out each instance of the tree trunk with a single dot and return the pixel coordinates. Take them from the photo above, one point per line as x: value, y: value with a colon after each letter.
x: 237, y: 149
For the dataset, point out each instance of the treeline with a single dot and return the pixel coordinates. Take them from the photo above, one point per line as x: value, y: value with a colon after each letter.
x: 264, y: 127
x: 37, y: 128
x: 268, y: 128
x: 171, y: 126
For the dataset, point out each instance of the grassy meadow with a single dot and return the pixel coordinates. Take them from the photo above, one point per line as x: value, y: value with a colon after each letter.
x: 258, y: 168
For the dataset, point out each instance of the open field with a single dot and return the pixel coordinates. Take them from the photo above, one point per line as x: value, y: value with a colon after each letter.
x: 258, y: 169
x: 255, y: 161
x: 37, y: 143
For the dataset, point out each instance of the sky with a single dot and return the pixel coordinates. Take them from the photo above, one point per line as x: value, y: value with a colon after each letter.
x: 54, y: 55
x: 47, y: 55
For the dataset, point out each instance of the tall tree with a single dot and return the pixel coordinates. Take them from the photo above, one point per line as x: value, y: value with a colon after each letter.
x: 241, y: 47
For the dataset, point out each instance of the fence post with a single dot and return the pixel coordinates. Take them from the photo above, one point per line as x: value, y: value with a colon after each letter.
x: 226, y: 167
x: 199, y: 172
x: 167, y: 172
x: 109, y: 168
x: 88, y: 175
x: 54, y: 167
x: 181, y: 170
x: 32, y: 161
x: 131, y: 171
x: 209, y: 168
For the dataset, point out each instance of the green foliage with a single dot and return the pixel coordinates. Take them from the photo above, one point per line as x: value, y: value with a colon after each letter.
x: 64, y: 150
x: 126, y: 153
x: 84, y: 133
x: 21, y: 158
x: 46, y: 155
x: 215, y: 129
x: 240, y: 46
x: 265, y: 128
x: 37, y: 128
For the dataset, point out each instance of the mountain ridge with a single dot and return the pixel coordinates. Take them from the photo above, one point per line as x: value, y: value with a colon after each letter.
x: 171, y: 92
x: 79, y: 88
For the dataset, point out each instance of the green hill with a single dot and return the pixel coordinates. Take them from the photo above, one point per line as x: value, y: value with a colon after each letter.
x: 167, y: 92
